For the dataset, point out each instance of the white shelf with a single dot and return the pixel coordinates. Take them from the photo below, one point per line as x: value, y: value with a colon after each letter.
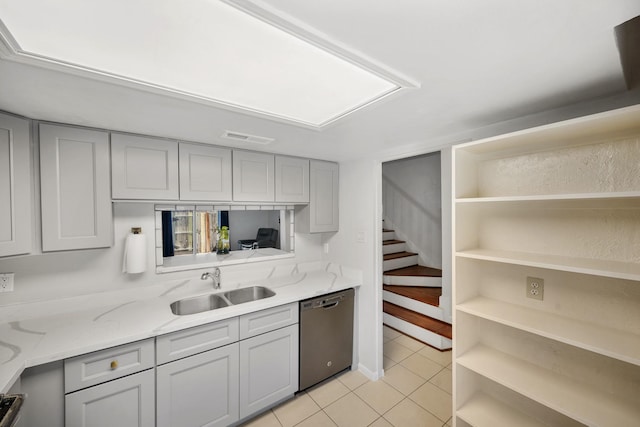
x: 563, y: 197
x: 596, y: 267
x: 484, y: 411
x: 599, y: 339
x: 578, y: 131
x: 576, y: 400
x: 624, y: 198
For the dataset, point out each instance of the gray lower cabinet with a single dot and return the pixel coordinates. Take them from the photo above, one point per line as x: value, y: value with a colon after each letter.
x: 125, y: 402
x: 110, y: 387
x: 44, y: 386
x: 210, y: 375
x: 216, y: 374
x: 200, y: 390
x: 268, y: 369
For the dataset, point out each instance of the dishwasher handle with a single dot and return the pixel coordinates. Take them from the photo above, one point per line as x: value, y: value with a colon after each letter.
x: 323, y: 303
x: 332, y: 304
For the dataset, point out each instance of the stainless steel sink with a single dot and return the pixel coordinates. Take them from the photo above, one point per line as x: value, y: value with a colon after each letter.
x: 252, y: 293
x: 220, y: 300
x: 198, y: 304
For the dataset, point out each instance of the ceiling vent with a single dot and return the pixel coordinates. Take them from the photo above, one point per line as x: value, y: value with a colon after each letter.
x: 243, y: 137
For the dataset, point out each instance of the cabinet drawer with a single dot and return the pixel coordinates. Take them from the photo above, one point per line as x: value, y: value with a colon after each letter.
x: 268, y: 320
x: 105, y: 365
x: 191, y: 341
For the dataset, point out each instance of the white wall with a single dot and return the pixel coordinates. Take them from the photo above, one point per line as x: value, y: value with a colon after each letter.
x: 411, y: 201
x: 360, y: 212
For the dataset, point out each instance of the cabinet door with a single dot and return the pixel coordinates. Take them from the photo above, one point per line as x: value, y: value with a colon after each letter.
x: 321, y: 214
x: 44, y: 386
x: 253, y: 177
x: 200, y: 390
x: 15, y: 186
x: 143, y: 168
x: 205, y: 172
x: 292, y: 179
x: 125, y: 402
x: 74, y: 183
x: 268, y: 369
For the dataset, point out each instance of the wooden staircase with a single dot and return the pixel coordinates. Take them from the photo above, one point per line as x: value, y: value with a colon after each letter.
x: 411, y: 295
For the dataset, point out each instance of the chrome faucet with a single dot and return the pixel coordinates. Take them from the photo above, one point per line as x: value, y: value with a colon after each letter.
x: 215, y: 276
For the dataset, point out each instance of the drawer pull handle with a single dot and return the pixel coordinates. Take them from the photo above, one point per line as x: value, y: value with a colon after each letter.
x: 114, y: 364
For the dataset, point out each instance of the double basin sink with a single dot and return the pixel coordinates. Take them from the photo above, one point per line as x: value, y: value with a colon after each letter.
x: 219, y: 300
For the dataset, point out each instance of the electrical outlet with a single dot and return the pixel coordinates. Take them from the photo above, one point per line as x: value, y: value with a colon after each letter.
x: 535, y: 288
x: 6, y: 282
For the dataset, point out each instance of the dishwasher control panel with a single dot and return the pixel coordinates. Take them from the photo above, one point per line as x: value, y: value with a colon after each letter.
x: 329, y: 301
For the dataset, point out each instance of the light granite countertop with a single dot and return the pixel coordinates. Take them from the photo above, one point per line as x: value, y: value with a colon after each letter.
x: 41, y: 332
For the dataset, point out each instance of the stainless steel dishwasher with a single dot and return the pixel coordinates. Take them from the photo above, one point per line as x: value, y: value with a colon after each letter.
x: 326, y: 336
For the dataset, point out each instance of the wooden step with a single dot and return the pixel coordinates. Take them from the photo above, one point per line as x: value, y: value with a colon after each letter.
x: 392, y: 242
x: 397, y: 255
x: 399, y: 260
x: 436, y: 326
x: 429, y: 296
x: 415, y: 270
x: 413, y: 275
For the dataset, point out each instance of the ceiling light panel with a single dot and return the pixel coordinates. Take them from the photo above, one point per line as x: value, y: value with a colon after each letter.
x: 204, y: 48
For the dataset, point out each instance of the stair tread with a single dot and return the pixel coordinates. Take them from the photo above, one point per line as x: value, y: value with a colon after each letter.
x: 397, y: 255
x: 436, y: 326
x: 415, y: 270
x: 423, y: 294
x: 392, y: 242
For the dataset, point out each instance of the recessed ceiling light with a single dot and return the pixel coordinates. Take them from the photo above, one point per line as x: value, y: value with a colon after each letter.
x: 205, y: 50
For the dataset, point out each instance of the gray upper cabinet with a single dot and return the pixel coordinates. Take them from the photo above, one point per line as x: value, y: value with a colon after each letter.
x: 205, y: 172
x: 15, y: 186
x: 253, y: 177
x: 143, y: 168
x: 292, y: 180
x: 321, y: 214
x: 74, y: 183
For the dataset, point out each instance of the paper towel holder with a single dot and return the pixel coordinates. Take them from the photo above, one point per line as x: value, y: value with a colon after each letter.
x: 134, y: 260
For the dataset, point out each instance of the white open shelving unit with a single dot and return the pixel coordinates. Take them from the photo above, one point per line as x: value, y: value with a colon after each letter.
x: 561, y: 203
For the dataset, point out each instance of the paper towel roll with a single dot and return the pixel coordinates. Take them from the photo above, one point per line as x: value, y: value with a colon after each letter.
x: 135, y: 254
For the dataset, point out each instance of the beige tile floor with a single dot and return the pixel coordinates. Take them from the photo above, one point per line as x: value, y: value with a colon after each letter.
x: 415, y: 391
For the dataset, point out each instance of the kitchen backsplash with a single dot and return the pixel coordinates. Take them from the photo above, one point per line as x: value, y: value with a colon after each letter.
x: 54, y: 275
